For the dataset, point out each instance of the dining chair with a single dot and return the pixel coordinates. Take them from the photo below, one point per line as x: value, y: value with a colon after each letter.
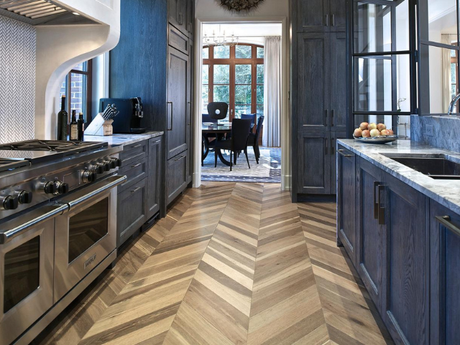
x: 237, y: 143
x: 251, y: 117
x: 253, y: 139
x: 208, y: 138
x: 218, y: 110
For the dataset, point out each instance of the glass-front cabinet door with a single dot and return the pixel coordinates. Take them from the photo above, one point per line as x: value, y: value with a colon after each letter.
x: 26, y: 274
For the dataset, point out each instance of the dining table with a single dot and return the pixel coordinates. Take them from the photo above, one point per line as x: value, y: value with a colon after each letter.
x: 220, y: 131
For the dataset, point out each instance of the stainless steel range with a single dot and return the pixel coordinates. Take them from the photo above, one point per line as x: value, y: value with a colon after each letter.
x: 57, y: 228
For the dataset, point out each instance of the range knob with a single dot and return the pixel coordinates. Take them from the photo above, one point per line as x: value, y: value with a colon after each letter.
x: 24, y: 197
x: 99, y: 168
x: 106, y: 165
x: 88, y: 176
x: 50, y: 188
x: 115, y: 162
x: 61, y: 187
x: 9, y: 202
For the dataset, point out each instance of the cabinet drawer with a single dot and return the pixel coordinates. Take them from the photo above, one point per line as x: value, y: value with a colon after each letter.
x: 134, y: 150
x: 131, y: 210
x: 178, y: 40
x: 176, y: 176
x: 135, y: 170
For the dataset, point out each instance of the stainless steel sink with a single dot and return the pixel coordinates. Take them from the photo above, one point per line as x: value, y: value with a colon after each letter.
x: 436, y: 166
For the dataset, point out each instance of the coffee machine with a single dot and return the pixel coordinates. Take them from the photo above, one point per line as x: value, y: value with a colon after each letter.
x: 131, y: 115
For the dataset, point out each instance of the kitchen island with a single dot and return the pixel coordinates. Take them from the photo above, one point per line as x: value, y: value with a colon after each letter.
x: 399, y: 227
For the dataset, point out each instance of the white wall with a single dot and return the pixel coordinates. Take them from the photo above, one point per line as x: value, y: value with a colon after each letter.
x: 210, y: 11
x: 59, y: 48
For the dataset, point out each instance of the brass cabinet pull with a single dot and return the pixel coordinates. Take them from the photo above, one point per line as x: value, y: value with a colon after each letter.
x: 446, y: 221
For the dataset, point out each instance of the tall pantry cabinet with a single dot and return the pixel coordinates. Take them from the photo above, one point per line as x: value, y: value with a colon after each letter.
x: 179, y: 97
x: 318, y: 93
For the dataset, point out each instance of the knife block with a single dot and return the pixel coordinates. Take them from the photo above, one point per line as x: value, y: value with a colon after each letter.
x: 99, y: 126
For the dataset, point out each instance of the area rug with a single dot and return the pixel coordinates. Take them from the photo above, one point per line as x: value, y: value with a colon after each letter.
x: 268, y: 170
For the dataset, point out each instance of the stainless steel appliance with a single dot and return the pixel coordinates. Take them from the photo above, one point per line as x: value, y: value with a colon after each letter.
x: 131, y: 113
x: 57, y: 228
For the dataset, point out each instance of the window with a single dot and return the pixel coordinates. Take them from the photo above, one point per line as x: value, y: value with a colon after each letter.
x: 77, y: 89
x: 235, y: 75
x: 383, y: 56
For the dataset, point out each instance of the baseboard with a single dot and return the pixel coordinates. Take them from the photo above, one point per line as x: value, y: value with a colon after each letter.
x: 286, y: 182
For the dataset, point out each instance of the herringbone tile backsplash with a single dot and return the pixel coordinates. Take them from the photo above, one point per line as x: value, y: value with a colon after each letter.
x: 17, y: 80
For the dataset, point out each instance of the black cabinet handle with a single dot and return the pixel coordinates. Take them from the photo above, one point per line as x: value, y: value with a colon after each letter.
x: 381, y: 208
x: 376, y: 201
x: 332, y: 118
x: 344, y: 153
x: 446, y: 221
x: 170, y: 114
x: 332, y: 147
x: 332, y: 20
x: 325, y: 148
x: 326, y: 20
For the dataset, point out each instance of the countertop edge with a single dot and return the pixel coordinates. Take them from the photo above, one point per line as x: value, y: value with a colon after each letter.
x: 124, y: 139
x: 440, y: 191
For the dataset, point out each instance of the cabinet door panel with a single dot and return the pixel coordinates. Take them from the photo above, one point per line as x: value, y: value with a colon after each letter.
x: 313, y: 59
x: 314, y: 163
x: 177, y: 14
x: 444, y: 276
x: 371, y: 235
x: 338, y: 83
x: 312, y: 15
x: 176, y: 176
x: 338, y: 13
x: 346, y: 201
x: 406, y: 297
x: 154, y: 173
x: 177, y: 126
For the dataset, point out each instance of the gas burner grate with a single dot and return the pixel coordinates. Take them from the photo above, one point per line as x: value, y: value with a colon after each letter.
x: 49, y: 145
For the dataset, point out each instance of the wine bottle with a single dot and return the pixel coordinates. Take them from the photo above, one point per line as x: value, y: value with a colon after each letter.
x: 80, y: 126
x: 74, y: 126
x: 63, y: 120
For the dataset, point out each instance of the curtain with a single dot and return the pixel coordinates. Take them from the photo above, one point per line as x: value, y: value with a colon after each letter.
x: 446, y: 72
x: 272, y: 93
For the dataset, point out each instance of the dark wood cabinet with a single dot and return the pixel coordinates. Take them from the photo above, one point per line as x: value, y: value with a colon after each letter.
x: 177, y: 14
x: 346, y: 201
x: 371, y: 234
x: 177, y: 173
x: 154, y: 177
x: 444, y: 275
x: 319, y: 102
x: 321, y: 15
x: 405, y: 288
x: 139, y: 197
x: 388, y: 244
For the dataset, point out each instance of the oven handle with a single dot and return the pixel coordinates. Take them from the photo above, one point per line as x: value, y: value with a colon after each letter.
x: 7, y: 236
x: 110, y: 182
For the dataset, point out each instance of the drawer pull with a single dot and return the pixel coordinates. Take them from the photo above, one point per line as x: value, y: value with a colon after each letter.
x: 376, y: 202
x: 446, y: 221
x: 381, y: 213
x: 179, y: 158
x: 137, y: 146
x: 136, y: 165
x: 135, y: 190
x: 342, y: 153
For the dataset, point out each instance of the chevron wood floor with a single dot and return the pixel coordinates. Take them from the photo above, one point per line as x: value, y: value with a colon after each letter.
x: 232, y: 263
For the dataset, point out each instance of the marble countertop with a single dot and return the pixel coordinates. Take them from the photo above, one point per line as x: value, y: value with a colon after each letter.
x: 123, y: 139
x: 445, y: 192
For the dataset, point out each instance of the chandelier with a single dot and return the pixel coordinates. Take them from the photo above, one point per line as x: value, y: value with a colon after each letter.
x: 220, y: 39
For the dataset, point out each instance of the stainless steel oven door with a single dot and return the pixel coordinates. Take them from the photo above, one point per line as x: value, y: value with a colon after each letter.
x: 26, y: 278
x: 86, y: 234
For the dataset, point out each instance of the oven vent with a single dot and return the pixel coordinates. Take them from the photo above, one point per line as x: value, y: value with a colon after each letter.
x: 39, y: 12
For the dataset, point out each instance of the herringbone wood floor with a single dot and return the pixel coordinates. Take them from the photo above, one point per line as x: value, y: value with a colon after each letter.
x: 231, y: 263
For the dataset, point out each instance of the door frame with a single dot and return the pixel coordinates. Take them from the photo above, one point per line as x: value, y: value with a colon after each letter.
x: 286, y: 170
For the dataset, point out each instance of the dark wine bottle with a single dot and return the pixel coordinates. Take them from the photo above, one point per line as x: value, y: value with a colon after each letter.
x: 63, y: 120
x: 80, y: 126
x: 74, y: 126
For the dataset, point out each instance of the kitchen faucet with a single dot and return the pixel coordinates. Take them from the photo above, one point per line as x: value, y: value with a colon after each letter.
x: 452, y: 104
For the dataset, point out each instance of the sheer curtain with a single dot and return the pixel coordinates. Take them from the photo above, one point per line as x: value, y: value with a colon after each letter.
x: 446, y: 72
x: 272, y: 93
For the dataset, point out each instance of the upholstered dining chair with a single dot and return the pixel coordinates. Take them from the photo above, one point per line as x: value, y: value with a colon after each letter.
x: 251, y: 117
x: 253, y: 139
x: 237, y: 143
